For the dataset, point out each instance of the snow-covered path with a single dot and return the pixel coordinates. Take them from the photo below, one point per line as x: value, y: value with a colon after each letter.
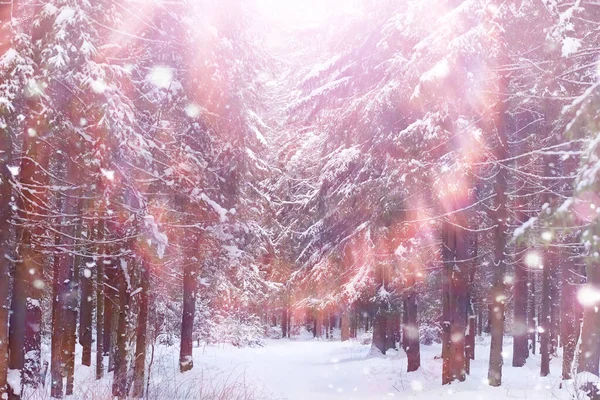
x: 311, y: 369
x: 306, y: 369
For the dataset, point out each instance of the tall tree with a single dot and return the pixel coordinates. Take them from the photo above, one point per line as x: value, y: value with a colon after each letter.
x: 141, y: 331
x: 190, y: 286
x: 6, y: 165
x: 500, y: 128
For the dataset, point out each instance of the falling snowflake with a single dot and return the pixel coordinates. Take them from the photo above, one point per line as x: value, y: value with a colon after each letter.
x: 161, y: 77
x: 108, y: 174
x: 192, y: 110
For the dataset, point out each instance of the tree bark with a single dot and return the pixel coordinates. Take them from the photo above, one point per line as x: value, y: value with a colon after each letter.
x: 86, y: 308
x: 470, y: 353
x: 500, y: 216
x: 186, y: 362
x: 379, y: 332
x: 345, y: 326
x: 497, y: 318
x: 119, y: 388
x: 471, y: 329
x: 110, y: 298
x: 25, y: 314
x: 460, y: 290
x: 71, y: 304
x: 319, y: 324
x: 57, y: 323
x: 532, y: 323
x: 447, y: 255
x: 100, y: 301
x: 327, y: 325
x: 545, y: 322
x: 413, y: 346
x: 498, y: 297
x: 455, y: 285
x: 405, y: 318
x: 393, y: 330
x: 480, y: 320
x: 571, y: 310
x: 284, y: 322
x: 520, y: 334
x: 589, y: 350
x: 63, y: 279
x: 555, y: 317
x: 140, y: 342
x: 571, y: 273
x: 5, y: 216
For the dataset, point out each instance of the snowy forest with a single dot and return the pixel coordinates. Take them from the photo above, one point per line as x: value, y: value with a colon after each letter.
x: 284, y: 199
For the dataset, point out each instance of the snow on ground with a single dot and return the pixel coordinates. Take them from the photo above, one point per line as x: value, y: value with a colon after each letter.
x: 314, y: 369
x: 322, y: 369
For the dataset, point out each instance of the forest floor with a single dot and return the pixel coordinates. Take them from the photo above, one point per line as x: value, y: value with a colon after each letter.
x: 304, y: 368
x: 315, y: 369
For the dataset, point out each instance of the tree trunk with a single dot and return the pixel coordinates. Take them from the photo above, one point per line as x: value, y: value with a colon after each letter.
x: 345, y: 326
x: 555, y: 317
x: 470, y: 334
x: 140, y: 342
x: 5, y: 216
x: 100, y: 301
x: 379, y: 332
x: 460, y: 291
x: 497, y: 328
x: 110, y: 299
x: 62, y: 286
x: 390, y: 343
x: 447, y: 255
x: 25, y: 312
x: 72, y: 302
x: 571, y: 310
x: 471, y: 338
x: 545, y: 317
x: 86, y: 310
x: 319, y: 324
x: 57, y: 322
x: 498, y: 300
x: 397, y: 337
x: 589, y: 350
x: 119, y: 388
x: 532, y: 323
x: 500, y: 216
x: 456, y: 298
x: 520, y: 348
x: 353, y: 324
x: 480, y: 320
x: 69, y: 350
x: 405, y: 317
x: 284, y: 322
x: 186, y: 362
x: 413, y: 346
x: 332, y: 324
